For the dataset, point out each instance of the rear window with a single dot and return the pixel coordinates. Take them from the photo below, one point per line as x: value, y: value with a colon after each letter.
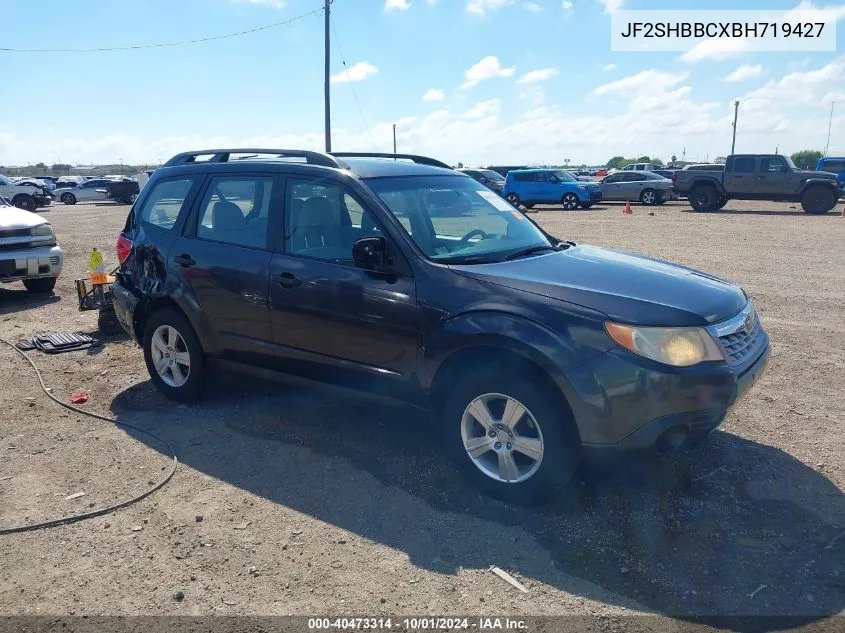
x: 165, y: 201
x: 836, y: 165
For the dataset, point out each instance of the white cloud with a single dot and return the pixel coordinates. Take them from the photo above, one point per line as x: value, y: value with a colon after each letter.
x: 611, y: 5
x: 717, y: 49
x: 434, y: 94
x: 568, y: 6
x: 276, y: 4
x: 393, y: 5
x: 609, y: 67
x: 535, y: 76
x: 744, y: 73
x: 487, y: 68
x: 652, y: 79
x: 356, y: 72
x: 480, y: 7
x: 532, y: 6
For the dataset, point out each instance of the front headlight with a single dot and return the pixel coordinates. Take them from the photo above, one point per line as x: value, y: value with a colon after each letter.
x: 43, y: 233
x: 583, y: 187
x: 676, y: 346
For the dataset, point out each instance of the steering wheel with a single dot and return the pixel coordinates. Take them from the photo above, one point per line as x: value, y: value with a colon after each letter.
x: 466, y: 238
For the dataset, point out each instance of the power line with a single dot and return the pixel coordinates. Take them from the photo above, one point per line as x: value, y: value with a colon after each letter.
x: 352, y: 88
x: 163, y: 44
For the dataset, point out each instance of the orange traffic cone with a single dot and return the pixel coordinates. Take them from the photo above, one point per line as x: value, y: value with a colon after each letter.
x: 628, y: 207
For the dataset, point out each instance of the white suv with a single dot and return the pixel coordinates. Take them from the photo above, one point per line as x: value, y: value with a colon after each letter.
x: 24, y: 196
x: 28, y: 249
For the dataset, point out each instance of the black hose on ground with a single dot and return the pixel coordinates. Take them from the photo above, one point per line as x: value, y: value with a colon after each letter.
x: 93, y: 513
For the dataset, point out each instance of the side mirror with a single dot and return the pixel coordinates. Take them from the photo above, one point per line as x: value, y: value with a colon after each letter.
x: 370, y: 252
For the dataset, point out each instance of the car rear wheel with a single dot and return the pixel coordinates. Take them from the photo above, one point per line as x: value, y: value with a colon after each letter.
x: 68, y: 198
x: 569, y: 201
x: 174, y: 356
x: 817, y: 200
x: 649, y: 197
x: 509, y: 437
x: 25, y: 202
x: 513, y: 199
x: 41, y: 285
x: 704, y: 198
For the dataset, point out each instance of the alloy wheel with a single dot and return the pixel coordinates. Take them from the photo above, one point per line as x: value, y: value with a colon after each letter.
x: 502, y: 438
x: 570, y: 201
x: 170, y: 356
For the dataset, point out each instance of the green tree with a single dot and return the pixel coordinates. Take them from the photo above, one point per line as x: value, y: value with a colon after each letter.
x: 41, y: 165
x: 643, y: 159
x: 674, y: 158
x: 806, y: 158
x: 617, y: 162
x: 60, y: 167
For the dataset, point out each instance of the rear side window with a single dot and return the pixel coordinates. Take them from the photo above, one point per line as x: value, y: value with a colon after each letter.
x: 523, y: 177
x: 236, y: 210
x: 745, y: 164
x: 165, y: 201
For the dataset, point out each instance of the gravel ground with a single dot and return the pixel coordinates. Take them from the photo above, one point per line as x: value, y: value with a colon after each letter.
x: 295, y: 500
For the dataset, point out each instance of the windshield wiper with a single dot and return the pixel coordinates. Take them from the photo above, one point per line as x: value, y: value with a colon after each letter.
x: 466, y: 259
x: 529, y: 251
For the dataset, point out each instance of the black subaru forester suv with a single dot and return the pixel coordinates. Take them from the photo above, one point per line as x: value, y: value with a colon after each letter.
x: 397, y: 275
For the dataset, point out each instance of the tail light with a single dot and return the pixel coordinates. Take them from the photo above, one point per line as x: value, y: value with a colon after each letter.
x: 124, y: 247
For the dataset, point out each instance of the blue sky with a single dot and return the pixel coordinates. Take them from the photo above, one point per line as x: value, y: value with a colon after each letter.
x: 477, y: 81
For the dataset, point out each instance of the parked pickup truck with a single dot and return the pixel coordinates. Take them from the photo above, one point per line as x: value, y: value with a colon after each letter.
x: 758, y: 177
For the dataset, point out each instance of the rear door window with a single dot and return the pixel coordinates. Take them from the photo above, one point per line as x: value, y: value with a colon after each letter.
x: 744, y: 164
x: 166, y: 200
x: 236, y: 210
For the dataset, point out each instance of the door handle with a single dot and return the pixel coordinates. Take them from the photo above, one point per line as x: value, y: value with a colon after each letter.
x: 184, y: 260
x: 289, y: 280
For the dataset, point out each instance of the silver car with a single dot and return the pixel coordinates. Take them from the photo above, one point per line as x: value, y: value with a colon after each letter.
x: 637, y: 186
x: 88, y: 191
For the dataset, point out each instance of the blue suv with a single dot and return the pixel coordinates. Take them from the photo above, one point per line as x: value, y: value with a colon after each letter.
x: 834, y: 165
x: 528, y: 187
x: 529, y: 350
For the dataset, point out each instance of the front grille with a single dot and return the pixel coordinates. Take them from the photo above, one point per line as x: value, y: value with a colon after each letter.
x: 15, y: 233
x: 740, y: 345
x: 54, y: 260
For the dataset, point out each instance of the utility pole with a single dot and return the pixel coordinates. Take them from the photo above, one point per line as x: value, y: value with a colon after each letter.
x: 394, y: 138
x: 736, y: 115
x: 327, y: 88
x: 829, y: 124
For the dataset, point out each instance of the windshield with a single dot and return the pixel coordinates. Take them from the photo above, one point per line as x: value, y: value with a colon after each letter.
x: 5, y: 181
x: 789, y: 162
x: 565, y: 176
x: 457, y: 220
x: 491, y: 175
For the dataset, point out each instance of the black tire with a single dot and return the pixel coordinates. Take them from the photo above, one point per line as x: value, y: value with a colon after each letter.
x: 817, y: 199
x: 40, y: 285
x: 25, y: 201
x: 561, y: 445
x: 192, y: 389
x: 530, y: 205
x: 68, y: 198
x: 649, y: 197
x: 513, y: 199
x: 569, y: 201
x: 704, y: 198
x: 107, y: 322
x: 722, y: 203
x: 585, y: 205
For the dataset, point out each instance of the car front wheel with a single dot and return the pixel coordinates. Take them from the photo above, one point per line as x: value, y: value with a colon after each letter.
x: 510, y: 438
x: 25, y: 202
x: 174, y: 356
x: 817, y: 200
x: 69, y: 198
x: 569, y: 201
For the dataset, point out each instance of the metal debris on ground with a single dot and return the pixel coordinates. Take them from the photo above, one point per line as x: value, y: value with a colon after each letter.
x: 501, y: 573
x: 58, y: 343
x: 75, y: 495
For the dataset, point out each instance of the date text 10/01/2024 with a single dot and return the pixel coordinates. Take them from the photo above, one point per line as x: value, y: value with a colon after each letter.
x: 416, y: 624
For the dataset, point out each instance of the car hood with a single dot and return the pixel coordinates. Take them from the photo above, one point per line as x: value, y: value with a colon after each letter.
x: 627, y: 288
x: 826, y: 175
x: 14, y: 218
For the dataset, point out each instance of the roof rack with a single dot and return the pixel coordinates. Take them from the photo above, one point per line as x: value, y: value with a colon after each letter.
x: 223, y: 156
x: 422, y: 160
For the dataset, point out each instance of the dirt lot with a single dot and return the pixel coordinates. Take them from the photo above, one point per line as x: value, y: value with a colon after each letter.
x: 290, y: 499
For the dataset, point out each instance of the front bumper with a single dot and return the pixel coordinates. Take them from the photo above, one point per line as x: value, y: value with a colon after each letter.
x: 589, y: 195
x: 30, y: 263
x: 629, y: 405
x: 124, y: 308
x: 42, y: 200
